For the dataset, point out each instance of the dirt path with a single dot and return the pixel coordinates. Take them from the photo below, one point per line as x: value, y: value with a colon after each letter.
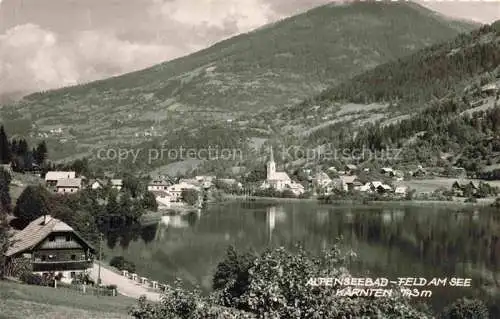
x: 125, y: 286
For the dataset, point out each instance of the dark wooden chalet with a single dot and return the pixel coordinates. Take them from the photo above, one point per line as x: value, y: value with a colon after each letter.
x: 51, y: 247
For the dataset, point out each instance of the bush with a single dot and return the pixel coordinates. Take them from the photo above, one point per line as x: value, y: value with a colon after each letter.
x: 274, y: 285
x: 465, y: 308
x: 32, y: 279
x: 122, y: 264
x: 471, y: 200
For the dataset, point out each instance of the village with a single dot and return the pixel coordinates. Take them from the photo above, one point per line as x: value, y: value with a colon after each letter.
x: 59, y: 254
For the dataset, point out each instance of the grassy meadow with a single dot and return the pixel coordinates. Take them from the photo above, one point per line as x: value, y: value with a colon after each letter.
x: 30, y: 302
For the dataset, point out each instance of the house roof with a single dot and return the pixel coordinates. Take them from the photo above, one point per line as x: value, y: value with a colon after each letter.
x: 116, y: 182
x: 57, y: 175
x: 490, y: 86
x: 322, y: 176
x: 281, y: 176
x: 192, y: 181
x: 348, y: 179
x: 376, y: 183
x: 160, y: 182
x: 69, y: 182
x: 387, y: 169
x: 351, y: 166
x: 180, y: 186
x: 37, y: 231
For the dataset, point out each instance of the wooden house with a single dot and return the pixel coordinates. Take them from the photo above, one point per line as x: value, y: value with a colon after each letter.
x: 51, y: 247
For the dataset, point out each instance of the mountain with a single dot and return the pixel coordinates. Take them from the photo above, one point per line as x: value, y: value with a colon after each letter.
x: 270, y: 68
x: 438, y: 107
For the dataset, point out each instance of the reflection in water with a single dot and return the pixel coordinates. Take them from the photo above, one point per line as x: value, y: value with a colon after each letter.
x: 391, y: 242
x: 176, y: 221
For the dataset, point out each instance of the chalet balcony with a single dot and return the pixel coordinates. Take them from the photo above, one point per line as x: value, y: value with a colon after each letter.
x: 61, y: 265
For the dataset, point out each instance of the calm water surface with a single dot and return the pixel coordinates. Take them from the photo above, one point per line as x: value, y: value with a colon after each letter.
x: 390, y: 242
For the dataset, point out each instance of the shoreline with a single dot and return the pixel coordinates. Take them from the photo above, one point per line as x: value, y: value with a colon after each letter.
x: 480, y: 203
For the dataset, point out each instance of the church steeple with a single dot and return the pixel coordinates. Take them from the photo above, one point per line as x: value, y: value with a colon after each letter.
x: 271, y: 165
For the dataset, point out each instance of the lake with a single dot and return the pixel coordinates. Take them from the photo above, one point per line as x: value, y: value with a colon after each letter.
x: 390, y: 241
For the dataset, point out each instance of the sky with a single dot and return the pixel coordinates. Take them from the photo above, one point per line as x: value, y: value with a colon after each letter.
x: 47, y: 44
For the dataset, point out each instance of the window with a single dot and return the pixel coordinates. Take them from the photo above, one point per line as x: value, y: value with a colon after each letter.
x: 73, y: 257
x: 73, y: 275
x: 68, y: 237
x: 52, y: 238
x: 44, y: 258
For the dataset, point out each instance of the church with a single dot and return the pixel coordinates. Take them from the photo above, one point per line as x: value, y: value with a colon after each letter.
x: 279, y: 180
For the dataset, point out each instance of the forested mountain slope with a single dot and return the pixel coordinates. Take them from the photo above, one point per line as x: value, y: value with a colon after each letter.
x: 267, y: 69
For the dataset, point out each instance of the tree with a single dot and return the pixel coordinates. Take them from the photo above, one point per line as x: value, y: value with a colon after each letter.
x: 125, y: 204
x: 5, y: 200
x: 149, y: 202
x: 5, y: 153
x: 234, y: 268
x: 112, y: 206
x: 256, y: 175
x: 190, y: 196
x: 4, y: 240
x: 80, y: 166
x: 131, y: 183
x: 40, y: 153
x: 33, y: 202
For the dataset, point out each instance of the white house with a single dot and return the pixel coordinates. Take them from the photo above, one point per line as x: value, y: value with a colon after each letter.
x: 322, y: 179
x: 296, y: 188
x: 163, y: 198
x: 69, y: 185
x: 176, y: 190
x: 116, y: 184
x: 52, y: 177
x: 97, y: 184
x: 401, y: 190
x: 347, y: 182
x: 205, y: 178
x: 158, y: 185
x: 364, y: 188
x: 350, y: 169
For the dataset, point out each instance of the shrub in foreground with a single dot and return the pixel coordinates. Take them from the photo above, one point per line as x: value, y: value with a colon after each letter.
x: 465, y: 308
x: 274, y: 285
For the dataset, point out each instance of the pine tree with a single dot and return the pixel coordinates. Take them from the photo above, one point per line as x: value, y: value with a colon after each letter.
x: 4, y: 241
x: 5, y: 154
x: 5, y: 207
x: 40, y: 154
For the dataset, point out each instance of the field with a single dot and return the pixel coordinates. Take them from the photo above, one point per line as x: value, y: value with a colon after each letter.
x: 431, y: 184
x: 30, y: 302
